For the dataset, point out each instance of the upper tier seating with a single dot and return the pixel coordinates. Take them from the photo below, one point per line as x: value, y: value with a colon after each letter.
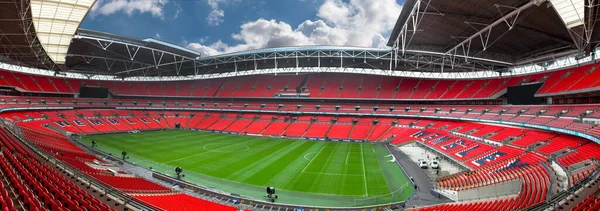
x: 324, y: 85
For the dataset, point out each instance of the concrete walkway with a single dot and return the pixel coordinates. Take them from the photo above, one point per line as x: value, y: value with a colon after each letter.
x: 423, y: 195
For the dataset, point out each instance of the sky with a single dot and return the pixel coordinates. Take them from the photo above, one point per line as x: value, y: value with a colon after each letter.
x: 213, y: 27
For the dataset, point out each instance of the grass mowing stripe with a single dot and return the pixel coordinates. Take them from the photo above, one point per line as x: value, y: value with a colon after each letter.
x: 272, y: 167
x: 311, y: 160
x: 257, y: 162
x: 188, y: 148
x: 375, y: 180
x: 323, y: 183
x: 207, y: 151
x: 328, y: 182
x: 294, y: 170
x: 218, y: 163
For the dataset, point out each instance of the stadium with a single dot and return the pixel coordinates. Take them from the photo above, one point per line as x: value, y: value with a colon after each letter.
x: 474, y: 105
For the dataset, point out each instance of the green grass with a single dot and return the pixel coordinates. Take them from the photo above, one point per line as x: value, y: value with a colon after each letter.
x: 303, y: 172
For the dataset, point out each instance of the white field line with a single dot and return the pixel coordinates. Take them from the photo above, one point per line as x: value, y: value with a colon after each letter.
x: 334, y: 174
x: 347, y: 153
x: 186, y: 157
x: 364, y: 169
x: 316, y: 155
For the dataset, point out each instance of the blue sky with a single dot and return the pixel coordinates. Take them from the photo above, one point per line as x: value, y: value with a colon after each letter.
x: 219, y: 26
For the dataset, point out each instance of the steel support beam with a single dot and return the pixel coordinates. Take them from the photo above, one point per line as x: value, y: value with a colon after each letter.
x: 414, y: 20
x: 484, y: 33
x: 582, y: 34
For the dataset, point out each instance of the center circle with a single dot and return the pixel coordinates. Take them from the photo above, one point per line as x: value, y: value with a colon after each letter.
x: 223, y: 147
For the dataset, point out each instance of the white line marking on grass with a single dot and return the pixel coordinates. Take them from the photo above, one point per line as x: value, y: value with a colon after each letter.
x: 362, y: 155
x: 334, y: 174
x: 218, y: 150
x: 305, y: 158
x: 347, y: 153
x: 316, y: 155
x: 186, y: 157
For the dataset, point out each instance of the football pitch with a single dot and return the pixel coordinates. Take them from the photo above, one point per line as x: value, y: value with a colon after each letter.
x: 313, y: 173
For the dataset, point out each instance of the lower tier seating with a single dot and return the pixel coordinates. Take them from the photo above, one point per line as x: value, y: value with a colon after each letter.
x: 493, y: 162
x: 591, y: 203
x: 183, y: 202
x: 536, y: 182
x: 131, y: 184
x: 582, y: 153
x: 39, y: 187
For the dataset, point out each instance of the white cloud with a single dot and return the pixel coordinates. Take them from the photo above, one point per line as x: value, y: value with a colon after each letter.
x: 216, y: 15
x: 205, y: 50
x: 157, y: 36
x: 108, y: 7
x: 362, y: 23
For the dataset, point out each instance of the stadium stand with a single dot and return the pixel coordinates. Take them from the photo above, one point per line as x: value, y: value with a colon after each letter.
x: 318, y: 86
x: 590, y: 203
x: 172, y: 202
x: 74, y: 156
x: 476, y: 154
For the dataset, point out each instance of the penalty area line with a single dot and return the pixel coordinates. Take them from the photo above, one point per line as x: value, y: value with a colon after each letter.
x: 333, y: 174
x: 316, y: 155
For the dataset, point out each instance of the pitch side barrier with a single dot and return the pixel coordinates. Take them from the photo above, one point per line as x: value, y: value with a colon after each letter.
x: 542, y: 127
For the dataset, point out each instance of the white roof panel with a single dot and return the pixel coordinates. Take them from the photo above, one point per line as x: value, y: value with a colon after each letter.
x: 56, y: 21
x: 571, y: 12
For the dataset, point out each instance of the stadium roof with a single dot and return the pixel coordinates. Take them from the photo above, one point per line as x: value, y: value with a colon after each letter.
x: 55, y: 22
x: 37, y: 33
x: 513, y: 31
x: 93, y: 52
